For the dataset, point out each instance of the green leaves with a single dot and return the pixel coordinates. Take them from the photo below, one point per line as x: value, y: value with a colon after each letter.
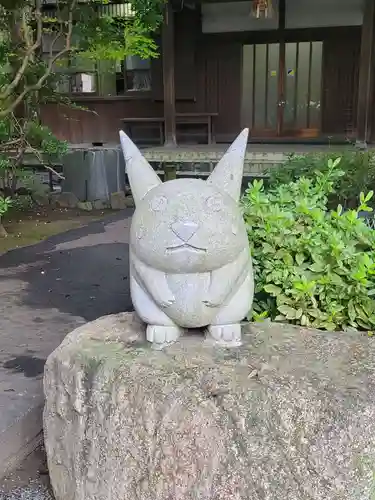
x: 289, y: 312
x: 75, y: 33
x: 353, y: 173
x: 313, y: 267
x: 5, y: 204
x: 73, y: 28
x: 273, y: 290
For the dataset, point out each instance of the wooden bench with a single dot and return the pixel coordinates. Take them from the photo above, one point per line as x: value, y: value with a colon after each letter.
x: 157, y: 121
x: 206, y: 119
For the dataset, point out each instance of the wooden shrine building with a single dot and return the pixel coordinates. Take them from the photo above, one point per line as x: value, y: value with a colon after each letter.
x: 290, y: 70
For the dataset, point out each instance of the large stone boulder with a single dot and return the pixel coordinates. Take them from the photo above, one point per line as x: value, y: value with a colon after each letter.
x: 65, y: 199
x: 289, y: 415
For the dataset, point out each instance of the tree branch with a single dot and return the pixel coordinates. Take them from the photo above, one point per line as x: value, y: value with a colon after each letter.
x: 28, y: 55
x: 48, y: 167
x: 9, y: 145
x: 38, y: 85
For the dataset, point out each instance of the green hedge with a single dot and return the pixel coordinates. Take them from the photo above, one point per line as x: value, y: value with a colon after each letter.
x: 313, y: 266
x: 358, y: 169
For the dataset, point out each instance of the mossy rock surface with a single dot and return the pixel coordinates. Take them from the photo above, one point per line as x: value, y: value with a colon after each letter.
x: 290, y: 414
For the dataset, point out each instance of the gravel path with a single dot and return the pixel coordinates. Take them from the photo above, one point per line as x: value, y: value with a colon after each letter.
x: 29, y: 482
x: 33, y: 491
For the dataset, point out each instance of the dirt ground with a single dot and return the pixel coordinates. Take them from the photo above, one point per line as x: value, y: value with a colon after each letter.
x: 30, y: 481
x: 32, y: 226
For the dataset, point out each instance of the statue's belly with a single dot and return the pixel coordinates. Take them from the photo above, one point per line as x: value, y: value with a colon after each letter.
x: 189, y: 291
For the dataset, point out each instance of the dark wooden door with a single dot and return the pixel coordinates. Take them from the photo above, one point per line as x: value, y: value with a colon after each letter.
x: 261, y: 88
x: 281, y: 89
x: 340, y: 85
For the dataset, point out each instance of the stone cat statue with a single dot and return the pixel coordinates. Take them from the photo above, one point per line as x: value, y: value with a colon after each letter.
x: 190, y: 263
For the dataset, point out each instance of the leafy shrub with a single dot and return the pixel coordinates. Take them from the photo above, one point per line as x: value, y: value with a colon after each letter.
x: 313, y: 267
x: 22, y: 203
x: 358, y: 173
x: 42, y: 139
x: 31, y: 136
x: 5, y: 204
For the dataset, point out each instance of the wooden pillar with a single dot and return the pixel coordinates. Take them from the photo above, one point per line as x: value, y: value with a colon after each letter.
x: 281, y: 100
x: 366, y: 75
x: 168, y: 76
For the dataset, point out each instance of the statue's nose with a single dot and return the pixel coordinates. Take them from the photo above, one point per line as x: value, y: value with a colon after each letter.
x: 184, y: 230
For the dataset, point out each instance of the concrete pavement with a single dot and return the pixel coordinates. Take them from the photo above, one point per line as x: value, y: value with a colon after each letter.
x: 46, y: 291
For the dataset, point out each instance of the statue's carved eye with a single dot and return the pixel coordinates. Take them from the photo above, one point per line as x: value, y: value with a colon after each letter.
x: 159, y: 203
x: 214, y: 203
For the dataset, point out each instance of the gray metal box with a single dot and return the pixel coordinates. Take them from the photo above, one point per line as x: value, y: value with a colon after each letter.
x: 94, y: 173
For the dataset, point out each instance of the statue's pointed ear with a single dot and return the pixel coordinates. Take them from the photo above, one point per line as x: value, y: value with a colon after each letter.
x: 142, y: 177
x: 227, y: 176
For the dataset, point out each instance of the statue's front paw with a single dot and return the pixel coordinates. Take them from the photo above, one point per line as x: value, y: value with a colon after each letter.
x: 161, y: 336
x: 225, y: 335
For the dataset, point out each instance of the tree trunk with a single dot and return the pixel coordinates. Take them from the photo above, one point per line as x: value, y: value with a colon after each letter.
x: 3, y: 232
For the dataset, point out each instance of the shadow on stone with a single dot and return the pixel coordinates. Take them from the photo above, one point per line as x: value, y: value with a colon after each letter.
x: 28, y: 365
